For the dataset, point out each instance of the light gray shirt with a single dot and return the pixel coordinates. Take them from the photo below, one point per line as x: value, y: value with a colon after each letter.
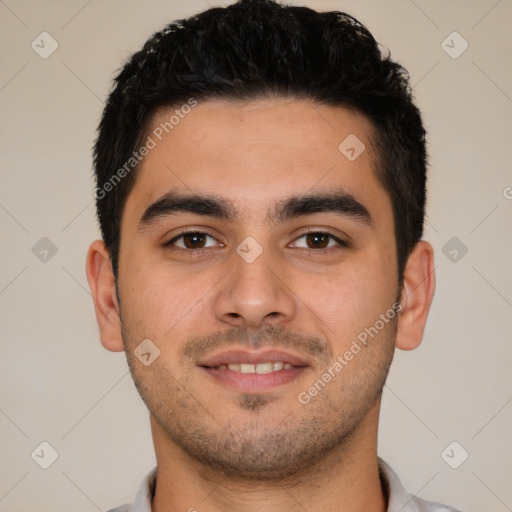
x: 398, y: 499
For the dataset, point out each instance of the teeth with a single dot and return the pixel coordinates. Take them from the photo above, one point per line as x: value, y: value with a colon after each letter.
x: 264, y: 368
x: 256, y: 368
x: 247, y: 368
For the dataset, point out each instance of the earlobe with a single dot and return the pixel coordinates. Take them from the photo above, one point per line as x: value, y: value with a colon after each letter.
x: 417, y: 294
x: 103, y: 289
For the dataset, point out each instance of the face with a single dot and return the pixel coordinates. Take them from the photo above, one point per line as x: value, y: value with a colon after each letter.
x: 255, y: 255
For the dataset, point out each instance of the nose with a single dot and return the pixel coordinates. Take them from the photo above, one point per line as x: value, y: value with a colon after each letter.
x: 256, y: 294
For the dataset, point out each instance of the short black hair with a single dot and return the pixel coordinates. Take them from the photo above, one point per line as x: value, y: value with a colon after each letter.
x: 255, y: 49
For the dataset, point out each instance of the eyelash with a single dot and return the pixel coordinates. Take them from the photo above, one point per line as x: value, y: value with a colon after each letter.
x: 341, y: 243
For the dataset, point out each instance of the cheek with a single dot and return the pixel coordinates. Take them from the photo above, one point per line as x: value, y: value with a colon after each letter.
x: 162, y: 303
x: 351, y: 298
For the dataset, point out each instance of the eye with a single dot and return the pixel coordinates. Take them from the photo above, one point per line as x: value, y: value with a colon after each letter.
x: 192, y: 240
x: 319, y: 240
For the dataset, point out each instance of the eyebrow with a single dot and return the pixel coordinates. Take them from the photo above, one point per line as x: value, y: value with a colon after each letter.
x: 339, y: 202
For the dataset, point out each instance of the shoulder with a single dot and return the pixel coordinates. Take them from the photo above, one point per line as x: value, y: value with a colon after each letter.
x: 144, y: 497
x: 421, y: 505
x: 398, y: 498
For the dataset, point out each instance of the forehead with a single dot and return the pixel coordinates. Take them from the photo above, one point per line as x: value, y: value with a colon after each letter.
x: 255, y: 153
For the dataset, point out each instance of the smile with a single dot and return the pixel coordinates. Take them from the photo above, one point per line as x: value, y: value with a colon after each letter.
x: 256, y: 368
x: 250, y: 371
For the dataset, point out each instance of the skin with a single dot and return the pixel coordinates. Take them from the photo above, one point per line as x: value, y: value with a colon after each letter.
x: 261, y: 449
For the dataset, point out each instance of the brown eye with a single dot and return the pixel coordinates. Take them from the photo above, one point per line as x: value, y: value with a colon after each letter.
x: 192, y: 240
x: 318, y: 240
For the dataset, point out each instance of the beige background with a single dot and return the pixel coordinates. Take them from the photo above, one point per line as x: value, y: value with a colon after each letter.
x: 57, y: 384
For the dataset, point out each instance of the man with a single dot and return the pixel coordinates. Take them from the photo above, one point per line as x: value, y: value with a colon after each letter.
x: 261, y: 179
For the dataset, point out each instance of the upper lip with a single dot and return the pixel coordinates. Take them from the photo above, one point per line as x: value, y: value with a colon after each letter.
x: 246, y: 357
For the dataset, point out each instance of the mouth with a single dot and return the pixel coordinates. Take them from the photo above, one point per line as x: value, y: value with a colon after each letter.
x: 259, y: 368
x: 253, y: 371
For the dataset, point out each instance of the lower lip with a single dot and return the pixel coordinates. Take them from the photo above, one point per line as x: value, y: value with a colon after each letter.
x: 247, y: 382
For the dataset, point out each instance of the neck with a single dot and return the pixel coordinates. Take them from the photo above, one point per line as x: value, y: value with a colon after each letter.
x: 346, y: 480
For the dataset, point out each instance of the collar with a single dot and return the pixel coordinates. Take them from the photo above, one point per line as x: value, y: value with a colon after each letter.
x: 398, y: 499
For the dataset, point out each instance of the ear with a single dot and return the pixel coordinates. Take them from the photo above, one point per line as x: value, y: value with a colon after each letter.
x: 417, y: 293
x: 103, y: 289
